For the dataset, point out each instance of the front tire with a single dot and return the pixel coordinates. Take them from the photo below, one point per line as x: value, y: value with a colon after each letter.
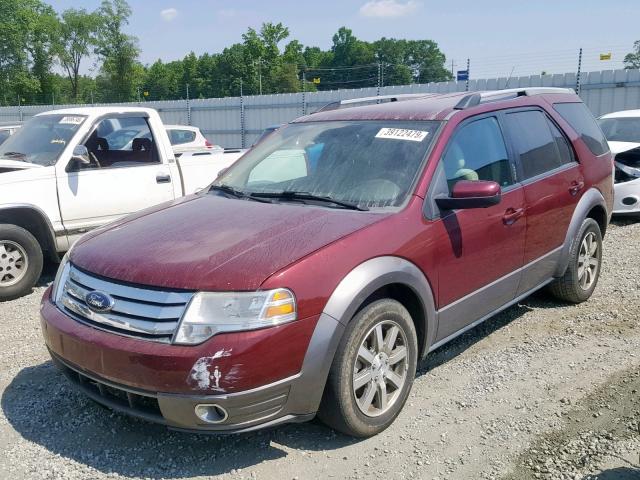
x: 373, y: 370
x: 585, y: 261
x: 21, y: 262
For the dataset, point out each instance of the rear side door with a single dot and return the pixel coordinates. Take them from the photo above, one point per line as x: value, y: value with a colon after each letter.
x: 480, y: 251
x: 553, y: 183
x: 125, y: 175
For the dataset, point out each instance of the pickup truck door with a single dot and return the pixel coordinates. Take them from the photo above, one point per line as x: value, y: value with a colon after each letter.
x: 125, y: 172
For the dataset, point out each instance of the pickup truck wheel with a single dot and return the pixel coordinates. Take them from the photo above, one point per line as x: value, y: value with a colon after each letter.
x: 581, y: 277
x: 20, y: 262
x: 372, y: 372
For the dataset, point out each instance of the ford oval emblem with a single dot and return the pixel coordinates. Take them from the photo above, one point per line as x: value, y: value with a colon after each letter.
x: 99, y: 302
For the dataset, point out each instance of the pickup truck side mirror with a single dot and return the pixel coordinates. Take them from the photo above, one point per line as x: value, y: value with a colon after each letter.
x: 81, y: 155
x: 471, y: 194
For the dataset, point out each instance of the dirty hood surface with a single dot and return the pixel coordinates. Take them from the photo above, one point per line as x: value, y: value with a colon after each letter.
x: 213, y: 243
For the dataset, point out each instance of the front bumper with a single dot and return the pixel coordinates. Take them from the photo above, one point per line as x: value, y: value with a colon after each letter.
x: 152, y: 381
x: 627, y: 198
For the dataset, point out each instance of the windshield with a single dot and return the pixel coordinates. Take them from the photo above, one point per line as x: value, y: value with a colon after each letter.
x: 42, y: 139
x: 621, y: 129
x: 371, y: 164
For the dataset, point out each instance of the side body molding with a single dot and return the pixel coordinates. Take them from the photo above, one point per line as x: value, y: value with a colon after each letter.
x: 348, y: 296
x: 591, y: 198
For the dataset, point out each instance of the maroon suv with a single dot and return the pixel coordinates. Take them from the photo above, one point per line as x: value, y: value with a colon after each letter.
x: 314, y: 274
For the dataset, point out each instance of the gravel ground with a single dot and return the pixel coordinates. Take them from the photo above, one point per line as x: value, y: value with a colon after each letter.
x: 543, y: 390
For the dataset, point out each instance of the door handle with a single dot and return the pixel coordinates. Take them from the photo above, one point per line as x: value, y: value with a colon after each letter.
x: 575, y: 187
x: 163, y: 178
x: 512, y: 215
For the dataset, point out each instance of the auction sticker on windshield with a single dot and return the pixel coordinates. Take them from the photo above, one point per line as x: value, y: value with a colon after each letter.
x: 402, y: 134
x: 71, y: 120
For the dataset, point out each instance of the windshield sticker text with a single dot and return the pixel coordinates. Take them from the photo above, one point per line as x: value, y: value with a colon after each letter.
x: 402, y: 134
x: 71, y: 120
x: 58, y: 141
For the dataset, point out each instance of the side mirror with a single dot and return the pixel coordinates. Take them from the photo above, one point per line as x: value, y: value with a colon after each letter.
x: 81, y: 155
x: 471, y: 194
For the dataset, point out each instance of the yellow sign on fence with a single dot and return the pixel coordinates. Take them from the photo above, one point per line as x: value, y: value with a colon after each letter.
x: 316, y: 80
x: 605, y: 56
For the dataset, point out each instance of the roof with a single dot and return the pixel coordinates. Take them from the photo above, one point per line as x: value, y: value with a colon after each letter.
x: 429, y: 106
x: 623, y: 114
x: 98, y: 111
x: 181, y: 127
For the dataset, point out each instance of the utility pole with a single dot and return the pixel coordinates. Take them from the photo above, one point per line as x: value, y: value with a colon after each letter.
x: 466, y: 88
x: 579, y: 72
x: 379, y: 78
x: 138, y: 90
x: 259, y: 62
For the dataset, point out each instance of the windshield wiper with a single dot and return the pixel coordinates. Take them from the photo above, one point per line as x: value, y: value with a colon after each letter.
x: 237, y: 193
x: 292, y: 195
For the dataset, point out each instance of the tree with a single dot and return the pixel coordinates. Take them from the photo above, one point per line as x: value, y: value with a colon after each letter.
x: 632, y: 60
x: 121, y: 73
x: 77, y: 35
x: 26, y: 30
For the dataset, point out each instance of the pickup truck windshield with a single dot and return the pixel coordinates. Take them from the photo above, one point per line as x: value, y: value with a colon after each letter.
x: 42, y: 139
x: 368, y: 164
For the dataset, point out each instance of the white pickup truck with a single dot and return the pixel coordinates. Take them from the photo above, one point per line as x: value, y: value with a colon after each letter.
x: 66, y: 172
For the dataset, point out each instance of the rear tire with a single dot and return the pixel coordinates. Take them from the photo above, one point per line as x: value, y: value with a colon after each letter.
x: 373, y: 370
x: 583, y: 271
x: 21, y: 262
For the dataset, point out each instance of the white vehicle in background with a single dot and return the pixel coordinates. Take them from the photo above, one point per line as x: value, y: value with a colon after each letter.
x: 622, y: 130
x: 6, y: 130
x: 185, y: 138
x: 69, y: 171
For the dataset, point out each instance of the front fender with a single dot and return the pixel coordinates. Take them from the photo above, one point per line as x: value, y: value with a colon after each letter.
x: 344, y: 302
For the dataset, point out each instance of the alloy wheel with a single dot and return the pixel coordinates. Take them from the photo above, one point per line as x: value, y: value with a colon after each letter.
x: 588, y: 261
x: 14, y: 263
x: 380, y: 369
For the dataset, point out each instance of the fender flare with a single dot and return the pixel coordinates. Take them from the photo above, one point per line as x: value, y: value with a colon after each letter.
x: 591, y: 198
x: 46, y: 236
x: 344, y: 302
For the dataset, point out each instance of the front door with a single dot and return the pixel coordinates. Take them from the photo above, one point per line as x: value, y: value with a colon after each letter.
x: 124, y: 175
x: 482, y: 252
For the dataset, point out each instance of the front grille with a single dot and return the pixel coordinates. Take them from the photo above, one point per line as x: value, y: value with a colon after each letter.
x: 139, y: 312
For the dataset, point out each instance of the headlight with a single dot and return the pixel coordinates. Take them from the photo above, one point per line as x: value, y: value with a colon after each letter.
x: 60, y: 280
x: 209, y: 313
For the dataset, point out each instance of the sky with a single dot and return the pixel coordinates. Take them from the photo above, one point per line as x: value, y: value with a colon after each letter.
x: 500, y: 37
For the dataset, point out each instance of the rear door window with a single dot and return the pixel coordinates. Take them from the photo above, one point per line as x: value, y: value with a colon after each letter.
x: 583, y: 122
x: 538, y: 143
x: 179, y: 137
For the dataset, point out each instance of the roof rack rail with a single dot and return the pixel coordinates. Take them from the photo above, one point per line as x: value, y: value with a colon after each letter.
x: 355, y: 102
x: 476, y: 98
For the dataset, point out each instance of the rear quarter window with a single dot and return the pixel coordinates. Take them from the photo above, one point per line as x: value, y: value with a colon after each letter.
x: 583, y: 122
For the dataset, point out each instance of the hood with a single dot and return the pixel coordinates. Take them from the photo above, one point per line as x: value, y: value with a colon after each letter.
x: 213, y: 243
x: 619, y: 147
x: 13, y: 165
